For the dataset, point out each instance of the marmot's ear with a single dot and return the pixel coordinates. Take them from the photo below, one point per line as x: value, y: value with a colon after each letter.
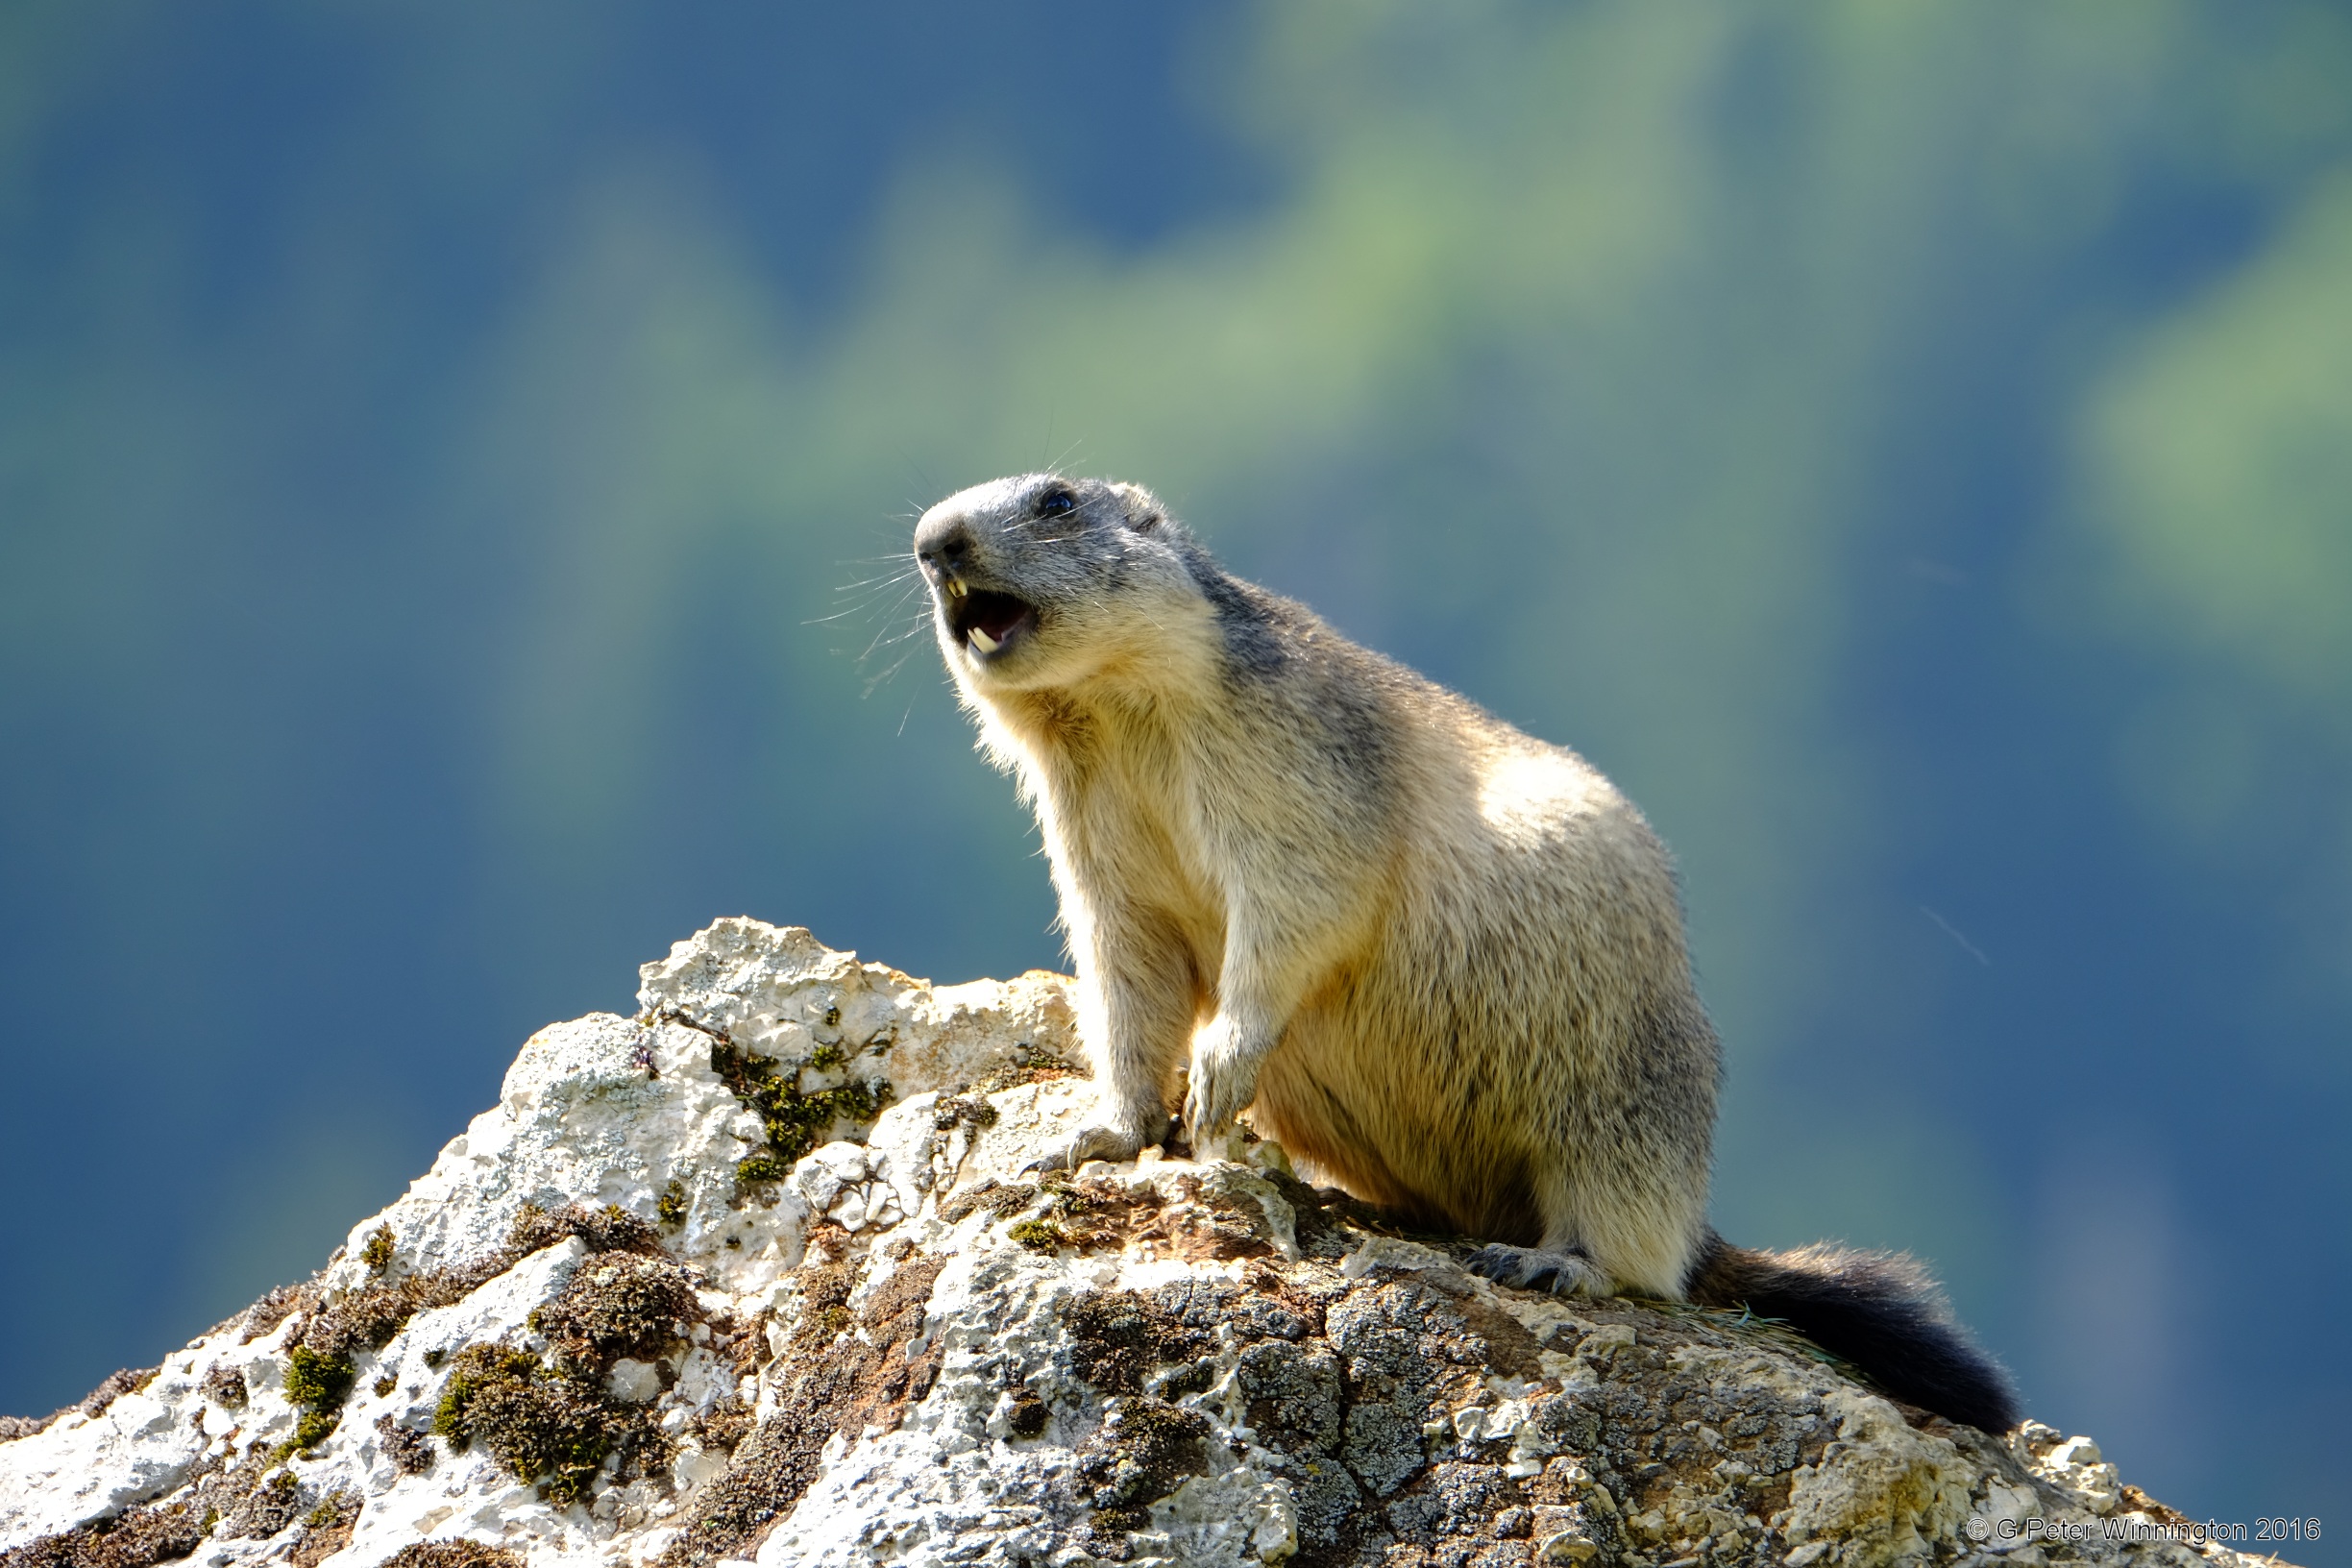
x: 1144, y: 512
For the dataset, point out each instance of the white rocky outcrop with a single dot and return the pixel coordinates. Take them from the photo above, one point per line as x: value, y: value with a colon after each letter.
x: 757, y: 1276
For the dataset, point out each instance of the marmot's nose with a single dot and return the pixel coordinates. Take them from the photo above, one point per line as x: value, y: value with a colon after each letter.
x: 944, y: 543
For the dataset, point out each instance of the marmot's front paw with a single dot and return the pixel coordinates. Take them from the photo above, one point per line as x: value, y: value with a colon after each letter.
x: 1222, y: 1082
x: 1084, y: 1144
x: 1532, y: 1268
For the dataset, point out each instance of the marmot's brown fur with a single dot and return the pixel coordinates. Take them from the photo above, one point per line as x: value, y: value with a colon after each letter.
x: 1441, y: 961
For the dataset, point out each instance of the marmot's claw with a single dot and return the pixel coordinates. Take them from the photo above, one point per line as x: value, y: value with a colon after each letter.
x: 1084, y: 1144
x: 1532, y: 1268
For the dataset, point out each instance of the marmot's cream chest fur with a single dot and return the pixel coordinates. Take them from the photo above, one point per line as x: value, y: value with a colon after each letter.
x: 1441, y: 961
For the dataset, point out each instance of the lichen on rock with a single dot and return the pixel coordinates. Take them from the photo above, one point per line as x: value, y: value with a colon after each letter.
x: 758, y: 1275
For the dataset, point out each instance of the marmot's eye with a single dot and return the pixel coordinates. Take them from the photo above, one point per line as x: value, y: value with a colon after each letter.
x: 1055, y: 501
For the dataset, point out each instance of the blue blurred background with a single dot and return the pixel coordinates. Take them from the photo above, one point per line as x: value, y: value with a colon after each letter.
x: 1909, y: 447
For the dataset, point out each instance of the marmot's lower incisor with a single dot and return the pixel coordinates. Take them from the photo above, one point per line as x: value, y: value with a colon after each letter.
x: 1439, y: 960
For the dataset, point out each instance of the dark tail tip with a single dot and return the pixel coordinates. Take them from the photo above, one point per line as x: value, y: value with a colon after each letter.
x: 1877, y: 1309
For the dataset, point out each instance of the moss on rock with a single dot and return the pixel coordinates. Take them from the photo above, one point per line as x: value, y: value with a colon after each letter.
x: 377, y: 1251
x: 553, y: 1424
x: 1141, y: 1456
x: 793, y: 1120
x: 319, y: 1383
x: 453, y: 1555
x: 318, y: 1379
x: 622, y: 1306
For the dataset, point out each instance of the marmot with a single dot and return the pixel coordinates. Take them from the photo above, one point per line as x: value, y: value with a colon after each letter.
x: 1440, y: 961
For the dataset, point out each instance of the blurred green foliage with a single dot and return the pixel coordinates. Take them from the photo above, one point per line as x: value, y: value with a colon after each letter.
x: 451, y: 464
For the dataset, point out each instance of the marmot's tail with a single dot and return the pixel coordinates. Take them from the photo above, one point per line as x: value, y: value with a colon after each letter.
x: 1877, y: 1309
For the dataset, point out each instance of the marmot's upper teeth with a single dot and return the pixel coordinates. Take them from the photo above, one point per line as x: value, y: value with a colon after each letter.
x: 956, y: 588
x: 981, y: 641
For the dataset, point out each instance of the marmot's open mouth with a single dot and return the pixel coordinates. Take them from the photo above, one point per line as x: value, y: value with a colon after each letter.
x: 988, y: 621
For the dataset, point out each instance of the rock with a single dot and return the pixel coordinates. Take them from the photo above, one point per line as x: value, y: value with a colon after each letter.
x: 634, y: 1382
x: 757, y: 1277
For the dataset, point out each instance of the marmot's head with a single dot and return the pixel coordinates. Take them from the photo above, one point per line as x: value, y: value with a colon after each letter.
x: 1041, y: 581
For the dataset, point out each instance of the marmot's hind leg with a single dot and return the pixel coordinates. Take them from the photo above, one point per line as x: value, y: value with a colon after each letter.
x: 1634, y: 1239
x: 1566, y: 1272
